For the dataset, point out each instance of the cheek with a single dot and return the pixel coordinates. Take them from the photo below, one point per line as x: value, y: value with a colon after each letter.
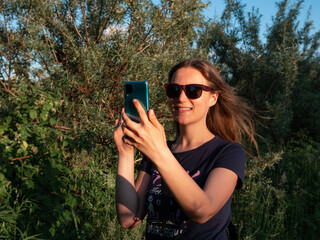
x: 202, y: 106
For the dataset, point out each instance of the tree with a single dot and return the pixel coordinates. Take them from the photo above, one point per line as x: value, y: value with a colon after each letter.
x: 79, y: 53
x: 86, y: 49
x: 266, y: 74
x: 281, y: 79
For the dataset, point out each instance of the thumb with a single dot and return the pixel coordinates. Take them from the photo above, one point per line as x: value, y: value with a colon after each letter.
x: 153, y: 119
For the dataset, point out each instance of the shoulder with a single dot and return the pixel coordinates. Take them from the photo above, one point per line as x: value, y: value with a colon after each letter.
x: 224, y: 147
x: 219, y: 148
x: 222, y: 142
x: 231, y: 155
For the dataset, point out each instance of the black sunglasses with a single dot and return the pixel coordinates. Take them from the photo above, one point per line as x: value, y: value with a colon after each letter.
x: 192, y: 91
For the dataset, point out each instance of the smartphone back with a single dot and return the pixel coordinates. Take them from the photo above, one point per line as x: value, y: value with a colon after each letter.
x: 136, y: 90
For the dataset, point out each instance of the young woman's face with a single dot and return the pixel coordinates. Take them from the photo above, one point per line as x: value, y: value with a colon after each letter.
x: 188, y: 111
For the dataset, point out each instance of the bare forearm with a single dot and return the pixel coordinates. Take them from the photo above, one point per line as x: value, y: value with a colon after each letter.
x: 199, y: 204
x: 192, y: 199
x: 126, y: 195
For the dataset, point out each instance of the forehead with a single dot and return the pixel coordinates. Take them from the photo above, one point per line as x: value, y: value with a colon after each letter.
x: 189, y: 75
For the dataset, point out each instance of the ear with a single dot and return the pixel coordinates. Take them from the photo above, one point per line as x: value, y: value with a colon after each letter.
x: 213, y: 99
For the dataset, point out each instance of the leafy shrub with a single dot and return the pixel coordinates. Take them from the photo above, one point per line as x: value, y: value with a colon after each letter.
x: 55, y: 182
x: 35, y: 178
x: 259, y: 209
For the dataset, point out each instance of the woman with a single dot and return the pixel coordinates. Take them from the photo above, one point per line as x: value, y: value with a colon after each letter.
x: 185, y: 186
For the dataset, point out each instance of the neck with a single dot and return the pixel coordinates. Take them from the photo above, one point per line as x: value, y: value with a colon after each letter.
x: 191, y: 137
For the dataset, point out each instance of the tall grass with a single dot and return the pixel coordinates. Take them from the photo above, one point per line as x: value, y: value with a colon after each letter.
x: 259, y: 209
x: 280, y: 195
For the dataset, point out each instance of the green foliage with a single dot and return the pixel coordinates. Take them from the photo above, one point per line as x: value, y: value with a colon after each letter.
x: 51, y: 184
x: 270, y: 75
x: 63, y: 64
x: 87, y: 49
x: 281, y: 79
x: 298, y: 174
x: 260, y: 203
x: 34, y: 173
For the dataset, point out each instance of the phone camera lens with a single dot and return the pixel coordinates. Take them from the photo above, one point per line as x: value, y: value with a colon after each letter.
x: 129, y: 88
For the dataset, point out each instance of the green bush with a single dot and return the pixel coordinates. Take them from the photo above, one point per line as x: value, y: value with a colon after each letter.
x: 298, y: 175
x: 36, y: 181
x: 55, y: 183
x: 57, y: 158
x: 259, y: 209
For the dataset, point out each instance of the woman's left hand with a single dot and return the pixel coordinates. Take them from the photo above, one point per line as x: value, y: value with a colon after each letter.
x: 148, y: 136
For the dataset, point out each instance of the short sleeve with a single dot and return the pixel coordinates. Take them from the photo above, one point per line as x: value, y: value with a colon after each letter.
x: 145, y: 165
x: 233, y: 157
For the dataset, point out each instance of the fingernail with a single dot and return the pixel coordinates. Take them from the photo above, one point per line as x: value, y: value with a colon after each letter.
x: 151, y: 112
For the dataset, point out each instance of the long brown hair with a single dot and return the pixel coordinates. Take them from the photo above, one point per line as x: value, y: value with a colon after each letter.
x: 230, y: 118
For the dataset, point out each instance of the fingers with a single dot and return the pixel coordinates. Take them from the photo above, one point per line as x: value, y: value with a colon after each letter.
x: 117, y: 124
x: 135, y: 133
x: 128, y: 140
x: 153, y: 119
x: 129, y: 137
x: 119, y: 121
x: 129, y: 128
x: 126, y: 121
x: 141, y: 111
x: 128, y: 133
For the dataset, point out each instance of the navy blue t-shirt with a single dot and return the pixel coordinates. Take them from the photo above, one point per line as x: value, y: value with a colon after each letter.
x: 198, y: 163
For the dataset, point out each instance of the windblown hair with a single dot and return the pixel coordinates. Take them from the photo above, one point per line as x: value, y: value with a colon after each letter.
x: 230, y: 118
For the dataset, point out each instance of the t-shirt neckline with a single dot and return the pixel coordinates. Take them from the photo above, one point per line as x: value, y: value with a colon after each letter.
x: 195, y: 149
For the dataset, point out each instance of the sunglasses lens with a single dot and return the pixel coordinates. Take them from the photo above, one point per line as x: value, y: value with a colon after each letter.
x: 173, y: 90
x: 193, y: 91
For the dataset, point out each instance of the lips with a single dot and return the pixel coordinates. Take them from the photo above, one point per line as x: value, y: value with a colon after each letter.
x: 182, y: 109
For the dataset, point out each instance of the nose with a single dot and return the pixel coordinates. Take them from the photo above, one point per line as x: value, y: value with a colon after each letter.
x: 183, y: 97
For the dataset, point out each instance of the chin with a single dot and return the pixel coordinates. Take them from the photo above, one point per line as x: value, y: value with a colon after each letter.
x: 182, y: 121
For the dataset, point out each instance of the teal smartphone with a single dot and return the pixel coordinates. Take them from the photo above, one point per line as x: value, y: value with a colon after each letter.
x: 135, y: 90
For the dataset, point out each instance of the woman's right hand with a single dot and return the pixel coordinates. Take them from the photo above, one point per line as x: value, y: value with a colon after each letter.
x: 118, y: 137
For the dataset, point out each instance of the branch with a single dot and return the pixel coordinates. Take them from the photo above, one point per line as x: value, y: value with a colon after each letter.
x: 62, y: 32
x: 5, y: 87
x: 62, y: 127
x: 147, y: 37
x: 110, y: 33
x: 167, y: 44
x: 106, y: 22
x: 85, y: 24
x: 131, y: 23
x: 75, y: 26
x: 269, y: 90
x: 10, y: 92
x: 48, y: 41
x: 9, y: 43
x: 142, y: 50
x: 45, y: 63
x: 5, y: 25
x: 20, y: 158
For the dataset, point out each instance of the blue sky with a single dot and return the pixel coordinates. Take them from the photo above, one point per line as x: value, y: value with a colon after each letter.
x: 268, y: 8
